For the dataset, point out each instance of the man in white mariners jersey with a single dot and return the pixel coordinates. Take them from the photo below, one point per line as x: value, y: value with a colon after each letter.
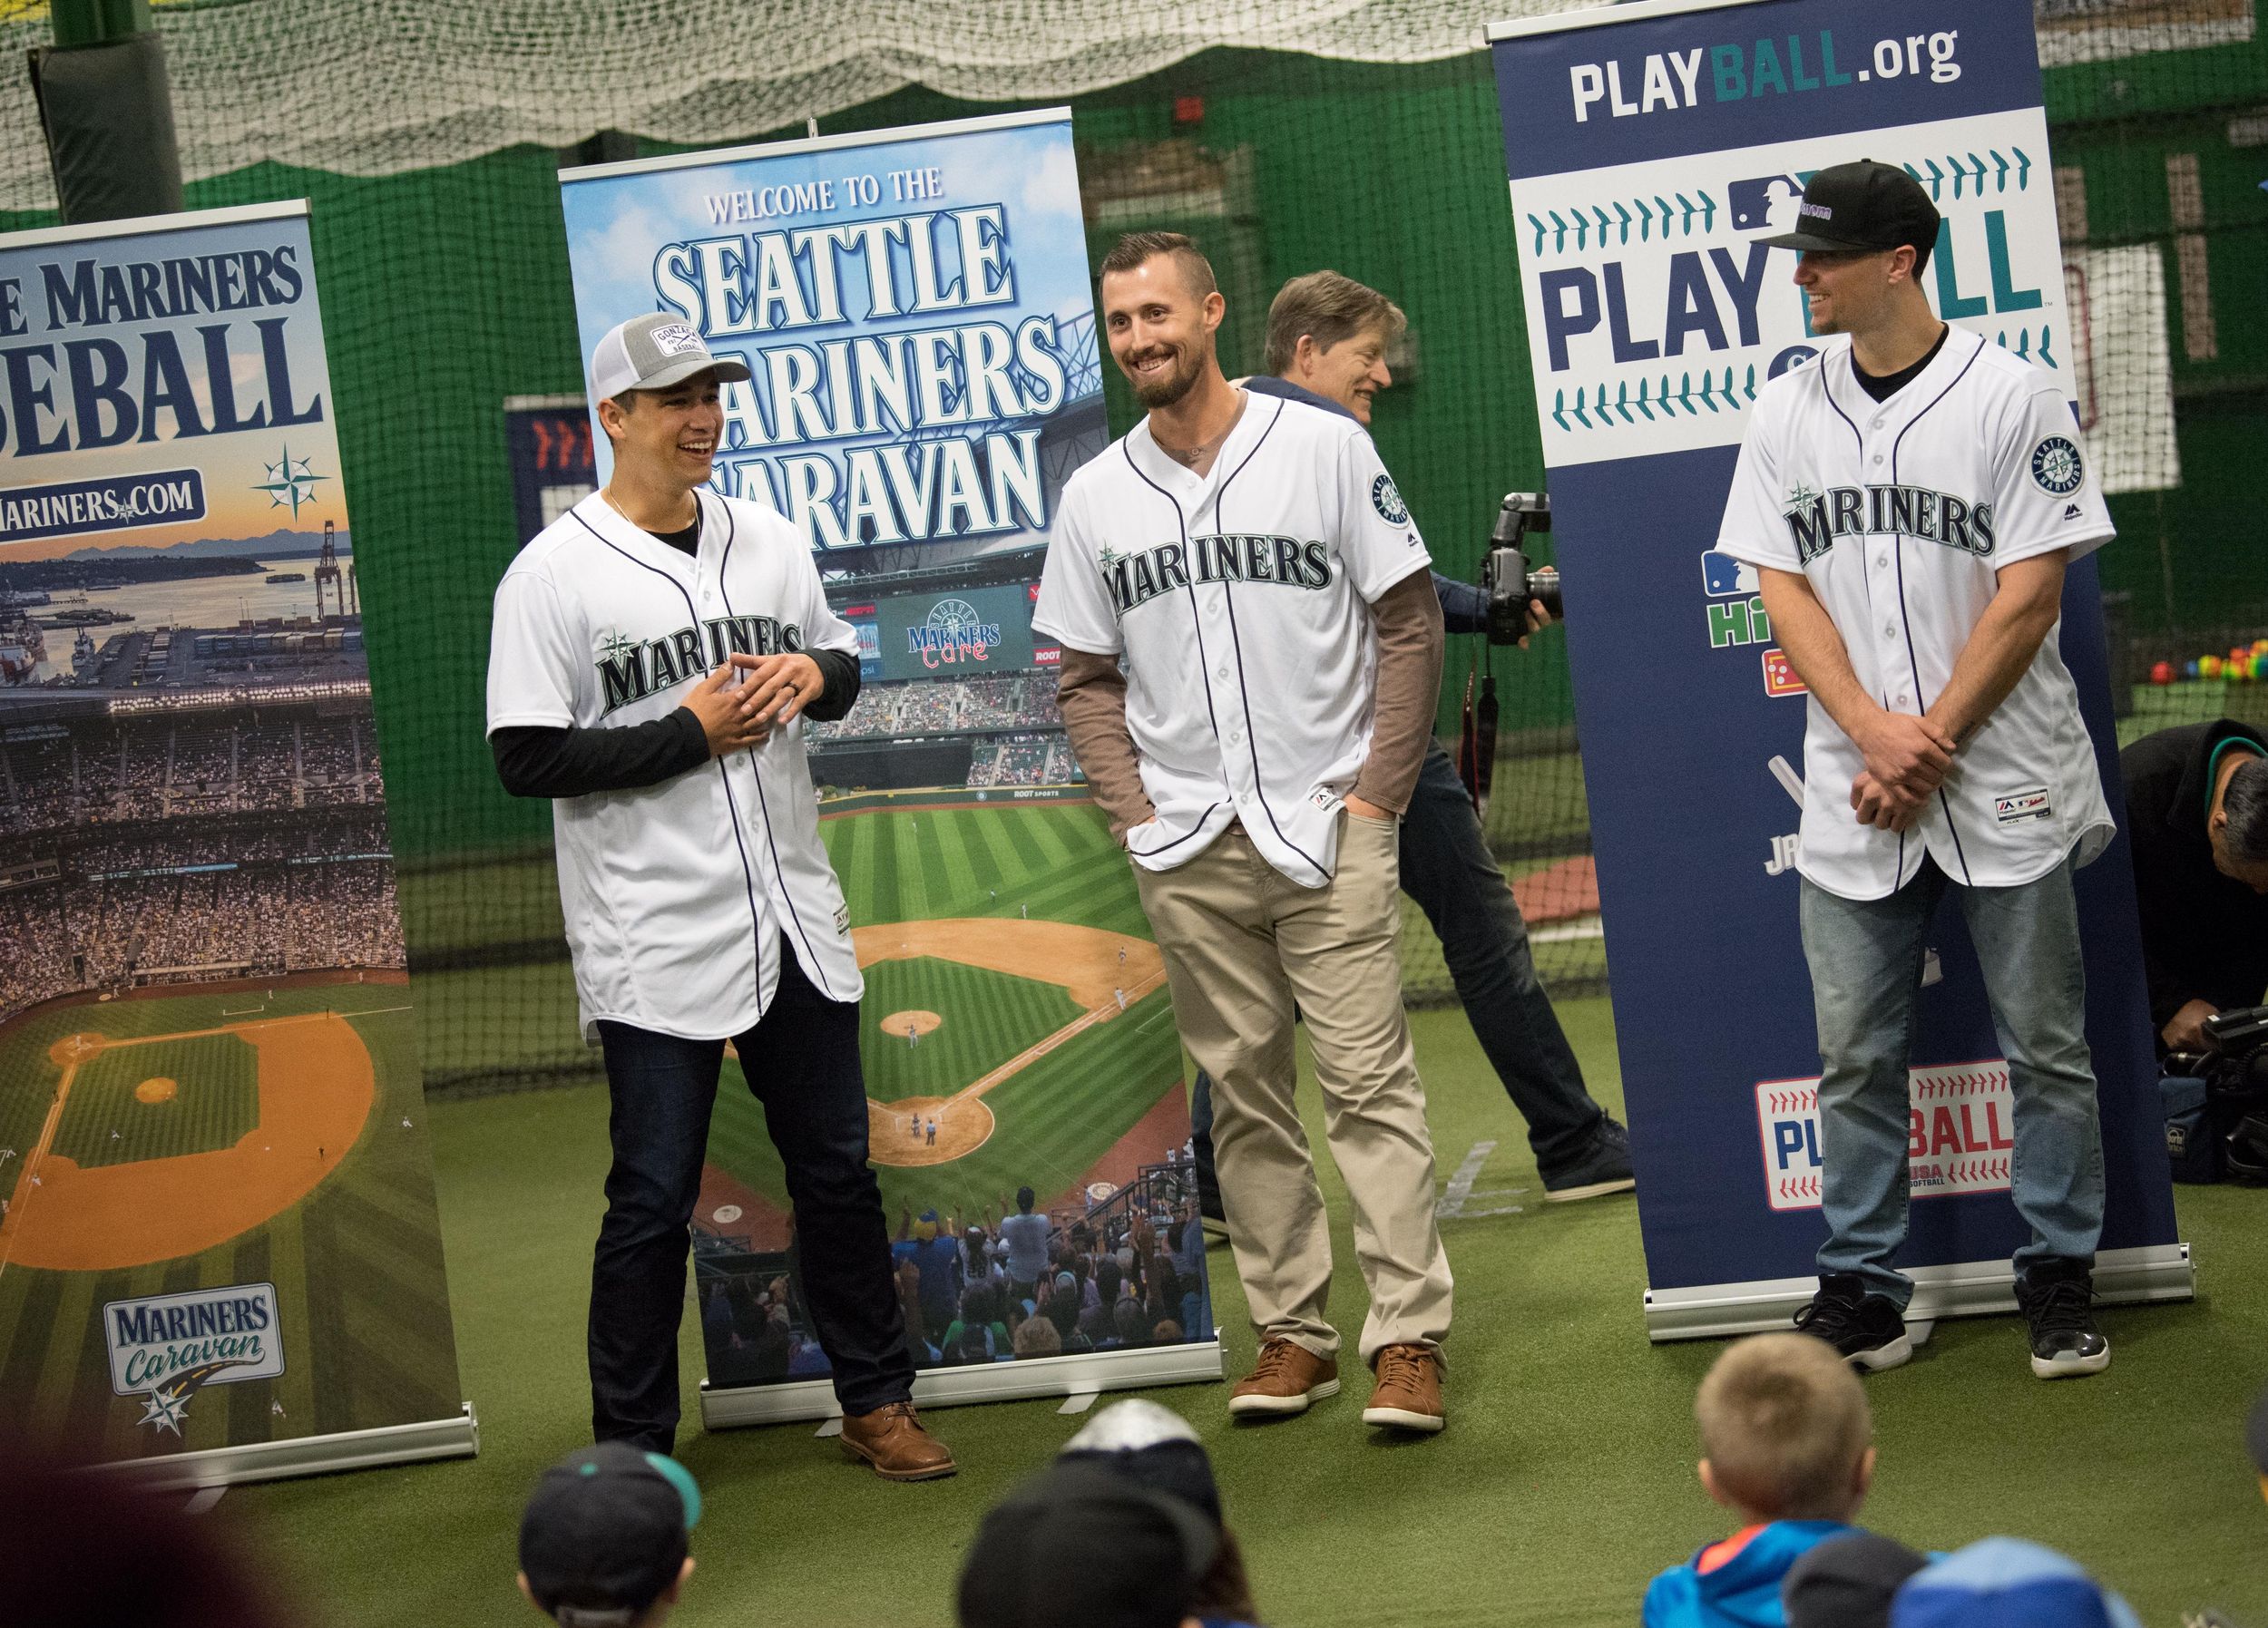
x: 1251, y: 648
x: 1911, y: 499
x: 654, y: 651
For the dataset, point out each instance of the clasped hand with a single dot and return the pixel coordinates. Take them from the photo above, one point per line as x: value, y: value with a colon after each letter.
x: 1907, y: 759
x: 741, y: 703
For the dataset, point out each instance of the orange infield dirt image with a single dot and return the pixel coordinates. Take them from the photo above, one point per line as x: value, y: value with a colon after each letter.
x: 1085, y: 961
x: 316, y: 1086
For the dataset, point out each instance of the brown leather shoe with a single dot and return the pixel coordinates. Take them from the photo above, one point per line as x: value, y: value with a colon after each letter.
x: 1409, y: 1392
x: 1284, y: 1380
x: 893, y: 1440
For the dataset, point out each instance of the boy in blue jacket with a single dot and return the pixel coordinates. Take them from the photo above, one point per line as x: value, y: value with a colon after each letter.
x: 1789, y: 1447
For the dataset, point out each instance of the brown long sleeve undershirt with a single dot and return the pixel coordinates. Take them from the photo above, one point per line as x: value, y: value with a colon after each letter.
x: 1090, y: 689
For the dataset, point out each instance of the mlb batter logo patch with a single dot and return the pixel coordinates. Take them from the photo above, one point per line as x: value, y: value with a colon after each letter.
x: 2014, y: 807
x: 1961, y: 1134
x: 2057, y: 467
x: 1388, y: 502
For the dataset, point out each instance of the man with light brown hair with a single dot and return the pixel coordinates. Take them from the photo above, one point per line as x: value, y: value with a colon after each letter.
x: 1251, y: 650
x: 1788, y: 1446
x: 1312, y: 320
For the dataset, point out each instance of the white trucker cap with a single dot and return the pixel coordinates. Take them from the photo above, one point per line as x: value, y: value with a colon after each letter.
x: 653, y: 352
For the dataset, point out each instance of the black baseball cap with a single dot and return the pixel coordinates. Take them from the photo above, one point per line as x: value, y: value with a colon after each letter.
x: 1081, y: 1545
x: 1151, y: 1445
x: 1847, y: 1582
x: 1863, y: 206
x: 604, y: 1534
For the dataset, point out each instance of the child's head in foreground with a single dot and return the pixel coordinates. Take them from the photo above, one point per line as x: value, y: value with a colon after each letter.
x: 1785, y: 1435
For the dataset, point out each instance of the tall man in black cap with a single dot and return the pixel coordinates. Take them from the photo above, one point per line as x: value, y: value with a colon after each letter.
x: 1911, y: 499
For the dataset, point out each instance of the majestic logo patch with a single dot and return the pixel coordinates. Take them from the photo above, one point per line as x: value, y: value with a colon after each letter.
x: 2071, y: 512
x: 2018, y: 806
x: 1388, y: 502
x: 2057, y: 467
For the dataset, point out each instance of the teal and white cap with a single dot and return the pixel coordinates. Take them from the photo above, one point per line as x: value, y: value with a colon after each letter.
x: 653, y: 352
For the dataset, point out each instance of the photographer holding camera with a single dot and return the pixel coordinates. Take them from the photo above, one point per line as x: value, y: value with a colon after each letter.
x: 2197, y: 813
x: 1326, y: 346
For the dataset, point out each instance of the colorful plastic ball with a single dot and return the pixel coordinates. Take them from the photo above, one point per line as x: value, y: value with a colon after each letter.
x: 2260, y: 667
x: 2162, y: 673
x: 2260, y: 647
x: 2208, y: 667
x: 2237, y: 672
x: 2189, y: 670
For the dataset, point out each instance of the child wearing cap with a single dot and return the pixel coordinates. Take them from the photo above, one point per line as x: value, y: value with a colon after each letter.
x: 1788, y: 1446
x: 1154, y: 1446
x: 603, y: 1542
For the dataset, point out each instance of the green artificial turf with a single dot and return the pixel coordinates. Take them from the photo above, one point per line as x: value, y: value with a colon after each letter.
x: 1563, y: 1482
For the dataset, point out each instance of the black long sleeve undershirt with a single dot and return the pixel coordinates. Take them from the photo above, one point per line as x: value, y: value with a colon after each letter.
x: 537, y: 760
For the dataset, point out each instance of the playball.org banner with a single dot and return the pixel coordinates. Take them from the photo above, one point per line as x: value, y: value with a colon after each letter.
x: 1652, y: 148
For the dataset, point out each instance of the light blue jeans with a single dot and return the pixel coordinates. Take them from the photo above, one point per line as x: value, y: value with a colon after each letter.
x: 1866, y: 970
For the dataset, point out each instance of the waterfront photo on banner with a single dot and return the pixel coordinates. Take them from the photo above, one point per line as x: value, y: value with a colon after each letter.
x: 1652, y: 148
x: 219, y: 1257
x: 915, y: 311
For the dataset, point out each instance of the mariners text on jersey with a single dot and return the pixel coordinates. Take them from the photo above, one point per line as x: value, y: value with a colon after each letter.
x: 1816, y: 520
x: 630, y: 670
x: 1139, y: 578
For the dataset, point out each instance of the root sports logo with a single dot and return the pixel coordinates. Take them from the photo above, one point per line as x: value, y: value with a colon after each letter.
x: 165, y: 1348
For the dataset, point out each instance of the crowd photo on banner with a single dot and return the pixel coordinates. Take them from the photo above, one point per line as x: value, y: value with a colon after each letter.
x: 954, y: 768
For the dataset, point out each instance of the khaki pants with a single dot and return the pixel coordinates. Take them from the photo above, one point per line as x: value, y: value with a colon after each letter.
x: 1242, y: 942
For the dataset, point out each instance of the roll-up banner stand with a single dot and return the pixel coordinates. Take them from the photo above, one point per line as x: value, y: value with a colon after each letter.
x: 1651, y: 146
x: 220, y: 1258
x: 916, y: 308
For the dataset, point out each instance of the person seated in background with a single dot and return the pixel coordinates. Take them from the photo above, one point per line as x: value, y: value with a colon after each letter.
x: 1155, y: 1448
x: 1078, y: 1545
x: 1036, y: 1337
x: 2197, y: 815
x: 602, y: 1541
x: 1788, y: 1448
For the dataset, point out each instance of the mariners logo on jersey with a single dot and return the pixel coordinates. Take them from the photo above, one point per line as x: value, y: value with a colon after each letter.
x: 1816, y: 520
x: 2057, y: 466
x: 1136, y: 578
x: 1388, y: 502
x: 630, y: 669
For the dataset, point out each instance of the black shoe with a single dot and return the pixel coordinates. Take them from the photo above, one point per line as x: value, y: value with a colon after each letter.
x: 1604, y: 1168
x: 1867, y: 1329
x: 2057, y: 1302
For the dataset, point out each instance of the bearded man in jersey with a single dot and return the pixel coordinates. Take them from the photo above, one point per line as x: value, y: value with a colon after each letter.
x: 1911, y: 499
x: 655, y: 652
x: 1251, y: 651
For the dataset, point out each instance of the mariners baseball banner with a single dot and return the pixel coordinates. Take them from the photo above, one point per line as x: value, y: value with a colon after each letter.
x: 218, y: 1243
x: 915, y: 311
x: 1652, y: 147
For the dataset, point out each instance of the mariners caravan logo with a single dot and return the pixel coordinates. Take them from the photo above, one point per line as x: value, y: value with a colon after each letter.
x: 165, y: 1348
x: 953, y: 632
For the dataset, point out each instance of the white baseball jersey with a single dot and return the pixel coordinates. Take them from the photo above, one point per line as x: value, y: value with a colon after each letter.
x: 676, y: 894
x: 1239, y: 604
x: 1901, y: 513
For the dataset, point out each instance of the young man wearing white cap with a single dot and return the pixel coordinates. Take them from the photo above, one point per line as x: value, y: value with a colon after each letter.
x: 654, y: 653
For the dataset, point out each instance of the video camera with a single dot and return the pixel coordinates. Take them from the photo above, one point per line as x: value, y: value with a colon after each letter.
x: 1509, y: 582
x: 2234, y: 1067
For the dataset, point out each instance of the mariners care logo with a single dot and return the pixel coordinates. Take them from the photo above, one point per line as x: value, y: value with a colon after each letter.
x: 2057, y: 466
x: 951, y: 632
x: 165, y: 1348
x: 1388, y: 502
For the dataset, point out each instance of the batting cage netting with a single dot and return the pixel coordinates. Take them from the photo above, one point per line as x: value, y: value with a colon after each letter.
x: 1284, y: 138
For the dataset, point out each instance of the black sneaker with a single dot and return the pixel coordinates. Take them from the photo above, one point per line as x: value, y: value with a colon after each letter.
x: 2058, y: 1304
x: 1867, y: 1329
x: 1605, y: 1168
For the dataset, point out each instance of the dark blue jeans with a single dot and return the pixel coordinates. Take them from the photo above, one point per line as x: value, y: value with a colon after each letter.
x: 801, y: 1060
x: 1447, y: 868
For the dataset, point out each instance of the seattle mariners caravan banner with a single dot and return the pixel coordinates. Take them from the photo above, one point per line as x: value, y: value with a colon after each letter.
x: 1652, y: 147
x: 220, y: 1258
x: 916, y: 314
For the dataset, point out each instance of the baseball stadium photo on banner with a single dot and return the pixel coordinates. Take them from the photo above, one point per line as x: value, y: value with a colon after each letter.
x: 214, y: 1178
x: 920, y: 377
